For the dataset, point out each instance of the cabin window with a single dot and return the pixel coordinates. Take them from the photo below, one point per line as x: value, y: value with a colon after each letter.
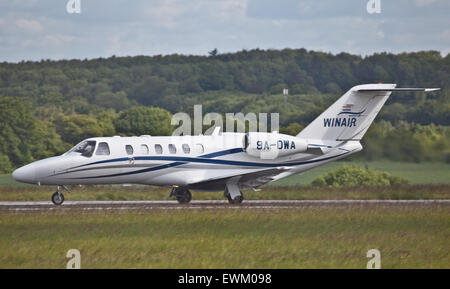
x: 85, y: 148
x: 144, y: 149
x: 103, y: 149
x: 199, y: 148
x: 172, y: 149
x: 158, y: 149
x: 186, y: 148
x: 129, y: 149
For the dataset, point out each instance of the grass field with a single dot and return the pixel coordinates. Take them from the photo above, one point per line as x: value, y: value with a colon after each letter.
x: 416, y: 173
x: 407, y: 237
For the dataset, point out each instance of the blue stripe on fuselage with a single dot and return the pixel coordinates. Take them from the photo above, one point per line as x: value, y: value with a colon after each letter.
x: 136, y: 172
x: 222, y: 153
x: 184, y: 160
x: 211, y: 155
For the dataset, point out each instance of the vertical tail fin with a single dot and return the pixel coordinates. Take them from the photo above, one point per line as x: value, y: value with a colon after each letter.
x: 352, y: 114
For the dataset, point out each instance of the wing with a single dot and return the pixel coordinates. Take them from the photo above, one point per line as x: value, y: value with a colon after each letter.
x: 248, y: 180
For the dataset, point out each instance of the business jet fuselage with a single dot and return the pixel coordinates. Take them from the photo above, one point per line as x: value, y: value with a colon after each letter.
x: 229, y: 162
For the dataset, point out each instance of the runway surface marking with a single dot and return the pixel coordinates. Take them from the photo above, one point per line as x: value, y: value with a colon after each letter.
x: 207, y: 204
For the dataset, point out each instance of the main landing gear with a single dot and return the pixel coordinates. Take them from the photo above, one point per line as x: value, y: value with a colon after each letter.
x: 233, y: 194
x: 182, y: 195
x: 58, y: 197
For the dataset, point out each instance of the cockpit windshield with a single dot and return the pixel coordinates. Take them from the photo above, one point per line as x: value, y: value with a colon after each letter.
x: 85, y: 148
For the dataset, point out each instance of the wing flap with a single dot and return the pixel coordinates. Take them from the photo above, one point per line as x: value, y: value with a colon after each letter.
x: 250, y: 180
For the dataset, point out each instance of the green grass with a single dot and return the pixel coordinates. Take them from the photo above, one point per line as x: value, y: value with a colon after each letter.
x: 416, y: 173
x: 407, y: 237
x: 8, y: 181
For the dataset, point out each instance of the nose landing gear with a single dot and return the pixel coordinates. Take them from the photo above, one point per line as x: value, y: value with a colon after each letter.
x: 58, y: 197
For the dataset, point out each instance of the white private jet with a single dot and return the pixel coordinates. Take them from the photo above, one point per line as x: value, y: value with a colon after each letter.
x: 228, y: 162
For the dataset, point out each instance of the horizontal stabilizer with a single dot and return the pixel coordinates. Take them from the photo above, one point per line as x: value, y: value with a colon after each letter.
x: 398, y: 89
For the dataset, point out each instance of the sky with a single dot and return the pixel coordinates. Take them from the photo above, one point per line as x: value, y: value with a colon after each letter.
x: 43, y: 29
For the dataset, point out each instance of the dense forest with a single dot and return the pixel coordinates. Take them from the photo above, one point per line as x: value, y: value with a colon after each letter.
x: 48, y: 106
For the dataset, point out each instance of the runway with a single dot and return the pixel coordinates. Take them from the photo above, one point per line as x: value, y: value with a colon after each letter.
x: 42, y: 206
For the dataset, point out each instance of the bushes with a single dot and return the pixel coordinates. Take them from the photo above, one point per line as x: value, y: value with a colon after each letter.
x: 140, y: 120
x: 5, y: 164
x: 406, y: 142
x: 352, y: 176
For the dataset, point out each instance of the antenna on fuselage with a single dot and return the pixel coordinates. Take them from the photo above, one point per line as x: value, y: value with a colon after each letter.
x: 216, y: 130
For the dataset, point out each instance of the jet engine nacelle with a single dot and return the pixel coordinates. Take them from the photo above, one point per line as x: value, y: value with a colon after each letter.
x: 273, y: 145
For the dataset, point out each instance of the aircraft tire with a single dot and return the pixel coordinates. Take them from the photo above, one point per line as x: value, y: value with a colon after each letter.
x: 184, y: 197
x: 236, y: 200
x: 57, y: 198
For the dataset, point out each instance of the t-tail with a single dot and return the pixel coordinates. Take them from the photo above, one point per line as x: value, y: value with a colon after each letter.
x: 352, y: 114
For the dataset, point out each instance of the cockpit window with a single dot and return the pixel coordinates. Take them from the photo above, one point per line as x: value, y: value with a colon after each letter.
x: 85, y: 148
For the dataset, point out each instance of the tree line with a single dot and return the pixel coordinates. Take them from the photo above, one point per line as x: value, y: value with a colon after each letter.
x: 174, y: 82
x: 48, y: 106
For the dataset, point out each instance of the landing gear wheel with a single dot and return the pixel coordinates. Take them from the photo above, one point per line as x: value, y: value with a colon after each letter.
x: 183, y: 196
x: 236, y: 200
x: 57, y: 198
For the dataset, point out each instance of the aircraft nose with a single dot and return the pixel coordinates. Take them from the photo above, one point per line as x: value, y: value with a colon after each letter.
x: 25, y: 174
